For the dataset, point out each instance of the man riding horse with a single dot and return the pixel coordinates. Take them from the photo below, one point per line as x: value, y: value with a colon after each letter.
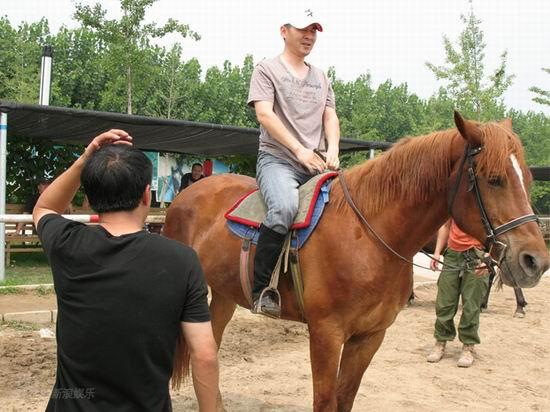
x: 295, y: 107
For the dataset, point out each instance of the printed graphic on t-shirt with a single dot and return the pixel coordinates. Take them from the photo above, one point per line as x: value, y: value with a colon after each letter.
x: 301, y: 91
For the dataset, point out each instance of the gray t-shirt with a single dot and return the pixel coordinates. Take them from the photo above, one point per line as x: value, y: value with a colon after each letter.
x: 298, y: 103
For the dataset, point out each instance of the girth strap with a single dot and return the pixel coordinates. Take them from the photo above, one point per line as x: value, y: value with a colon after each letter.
x: 298, y: 281
x: 244, y: 270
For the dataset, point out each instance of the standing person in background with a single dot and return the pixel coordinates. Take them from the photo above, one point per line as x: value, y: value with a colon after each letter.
x: 458, y: 279
x: 189, y: 178
x: 124, y: 296
x: 296, y: 109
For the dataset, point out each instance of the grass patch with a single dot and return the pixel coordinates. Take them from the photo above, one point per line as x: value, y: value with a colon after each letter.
x: 11, y: 291
x: 28, y: 269
x: 21, y: 326
x: 44, y: 291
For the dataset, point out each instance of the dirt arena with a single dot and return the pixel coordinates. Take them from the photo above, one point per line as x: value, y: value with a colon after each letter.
x: 265, y: 364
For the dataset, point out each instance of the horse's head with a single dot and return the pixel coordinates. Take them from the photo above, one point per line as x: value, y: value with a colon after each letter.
x: 488, y: 198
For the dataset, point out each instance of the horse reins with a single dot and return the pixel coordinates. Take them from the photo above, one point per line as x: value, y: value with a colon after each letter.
x: 490, y: 231
x: 364, y: 221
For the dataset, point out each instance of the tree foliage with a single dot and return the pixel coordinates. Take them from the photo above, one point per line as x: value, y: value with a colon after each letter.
x: 543, y: 96
x: 90, y: 71
x: 130, y: 55
x: 475, y: 94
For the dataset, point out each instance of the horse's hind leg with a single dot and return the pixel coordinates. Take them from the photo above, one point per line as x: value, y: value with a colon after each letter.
x: 356, y: 357
x: 221, y: 312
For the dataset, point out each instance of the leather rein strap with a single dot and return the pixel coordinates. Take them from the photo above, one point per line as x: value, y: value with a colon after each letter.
x: 491, y: 232
x: 351, y: 203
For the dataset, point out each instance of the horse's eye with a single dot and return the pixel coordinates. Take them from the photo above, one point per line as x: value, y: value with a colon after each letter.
x: 495, y: 181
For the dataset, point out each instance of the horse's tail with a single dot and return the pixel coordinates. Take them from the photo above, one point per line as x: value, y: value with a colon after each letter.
x: 180, y: 371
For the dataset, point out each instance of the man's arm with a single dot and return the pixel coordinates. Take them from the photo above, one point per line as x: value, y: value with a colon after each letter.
x: 276, y: 129
x: 204, y: 363
x: 58, y: 195
x: 331, y: 125
x: 442, y: 236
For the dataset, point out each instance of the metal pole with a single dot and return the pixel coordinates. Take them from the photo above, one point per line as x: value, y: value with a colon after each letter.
x: 45, y: 76
x: 3, y: 150
x: 371, y: 154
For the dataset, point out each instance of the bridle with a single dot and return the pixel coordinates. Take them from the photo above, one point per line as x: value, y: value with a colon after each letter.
x: 499, y: 248
x: 492, y: 245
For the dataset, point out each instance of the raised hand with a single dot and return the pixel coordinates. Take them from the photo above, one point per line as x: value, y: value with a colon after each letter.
x: 113, y: 136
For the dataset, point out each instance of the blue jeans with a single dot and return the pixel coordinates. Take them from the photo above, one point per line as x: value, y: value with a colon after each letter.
x: 279, y: 182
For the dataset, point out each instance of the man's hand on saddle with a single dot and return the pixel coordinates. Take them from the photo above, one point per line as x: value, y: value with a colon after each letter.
x: 312, y: 161
x: 331, y: 159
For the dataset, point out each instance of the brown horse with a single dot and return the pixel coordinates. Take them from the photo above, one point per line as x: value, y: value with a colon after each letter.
x: 354, y: 287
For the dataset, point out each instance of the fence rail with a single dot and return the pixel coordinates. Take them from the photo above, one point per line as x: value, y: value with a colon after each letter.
x: 24, y: 239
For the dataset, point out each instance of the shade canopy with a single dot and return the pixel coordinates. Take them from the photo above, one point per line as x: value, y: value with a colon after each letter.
x: 75, y: 126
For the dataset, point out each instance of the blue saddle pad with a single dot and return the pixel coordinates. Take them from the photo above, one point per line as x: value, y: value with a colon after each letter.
x: 249, y: 232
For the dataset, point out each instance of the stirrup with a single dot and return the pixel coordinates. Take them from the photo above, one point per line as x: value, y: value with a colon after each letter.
x: 257, y: 305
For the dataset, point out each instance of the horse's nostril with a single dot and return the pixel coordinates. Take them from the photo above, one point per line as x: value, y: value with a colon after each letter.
x: 530, y: 263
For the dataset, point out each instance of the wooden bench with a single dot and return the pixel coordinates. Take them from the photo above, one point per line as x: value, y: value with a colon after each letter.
x: 29, y: 241
x: 21, y: 243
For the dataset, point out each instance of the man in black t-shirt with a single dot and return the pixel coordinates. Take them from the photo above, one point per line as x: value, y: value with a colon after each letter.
x: 124, y: 295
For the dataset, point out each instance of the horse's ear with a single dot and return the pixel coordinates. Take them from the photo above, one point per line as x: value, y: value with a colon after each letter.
x: 469, y: 130
x: 507, y: 123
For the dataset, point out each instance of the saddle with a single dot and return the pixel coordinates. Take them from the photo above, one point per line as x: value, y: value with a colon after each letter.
x: 244, y: 219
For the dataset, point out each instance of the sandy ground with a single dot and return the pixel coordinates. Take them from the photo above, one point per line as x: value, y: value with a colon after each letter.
x: 265, y: 364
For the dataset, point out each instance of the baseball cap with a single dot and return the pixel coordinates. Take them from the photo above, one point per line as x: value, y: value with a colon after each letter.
x: 303, y: 18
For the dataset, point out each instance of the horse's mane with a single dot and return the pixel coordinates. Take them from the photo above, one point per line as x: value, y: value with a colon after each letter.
x: 415, y: 167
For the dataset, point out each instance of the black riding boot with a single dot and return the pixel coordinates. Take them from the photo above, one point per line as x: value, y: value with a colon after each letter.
x: 270, y: 244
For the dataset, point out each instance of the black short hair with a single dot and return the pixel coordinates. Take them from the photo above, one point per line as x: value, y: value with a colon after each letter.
x: 115, y: 177
x: 196, y: 164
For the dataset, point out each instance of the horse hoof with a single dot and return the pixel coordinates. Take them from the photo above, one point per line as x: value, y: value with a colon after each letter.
x: 519, y: 314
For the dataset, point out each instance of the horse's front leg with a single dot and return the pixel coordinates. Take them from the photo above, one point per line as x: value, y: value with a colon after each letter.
x: 221, y: 312
x: 356, y: 357
x: 325, y: 344
x: 520, y: 303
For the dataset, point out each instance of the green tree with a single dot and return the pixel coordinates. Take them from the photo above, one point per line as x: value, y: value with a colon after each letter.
x: 534, y: 131
x: 543, y: 96
x: 177, y: 88
x: 78, y: 75
x: 27, y: 159
x: 438, y: 113
x: 225, y: 92
x: 130, y: 59
x: 475, y: 94
x: 20, y: 55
